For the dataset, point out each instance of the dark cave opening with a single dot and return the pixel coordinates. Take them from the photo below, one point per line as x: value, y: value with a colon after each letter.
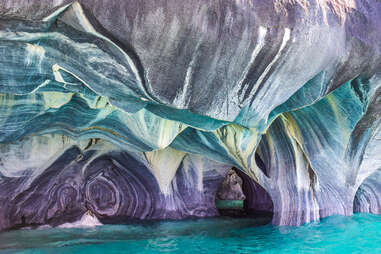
x: 230, y: 197
x: 240, y: 196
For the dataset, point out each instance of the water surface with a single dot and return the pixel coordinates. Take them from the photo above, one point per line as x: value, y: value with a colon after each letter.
x: 360, y: 233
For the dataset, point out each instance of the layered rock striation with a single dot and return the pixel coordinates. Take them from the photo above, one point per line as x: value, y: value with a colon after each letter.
x: 138, y: 109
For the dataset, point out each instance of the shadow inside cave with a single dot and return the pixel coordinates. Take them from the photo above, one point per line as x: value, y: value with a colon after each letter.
x: 240, y: 196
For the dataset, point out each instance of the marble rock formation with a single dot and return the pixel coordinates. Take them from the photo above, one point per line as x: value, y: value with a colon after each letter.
x: 231, y: 187
x: 138, y: 109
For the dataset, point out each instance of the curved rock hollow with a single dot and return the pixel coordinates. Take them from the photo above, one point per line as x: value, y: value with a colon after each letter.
x: 230, y: 197
x: 138, y: 109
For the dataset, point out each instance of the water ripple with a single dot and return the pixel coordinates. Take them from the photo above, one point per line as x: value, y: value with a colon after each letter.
x: 337, y: 234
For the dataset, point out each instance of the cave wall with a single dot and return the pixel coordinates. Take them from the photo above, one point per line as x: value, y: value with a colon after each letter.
x: 367, y: 199
x: 137, y: 109
x: 70, y: 178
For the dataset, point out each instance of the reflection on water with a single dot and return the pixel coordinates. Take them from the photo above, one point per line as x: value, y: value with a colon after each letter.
x: 337, y: 234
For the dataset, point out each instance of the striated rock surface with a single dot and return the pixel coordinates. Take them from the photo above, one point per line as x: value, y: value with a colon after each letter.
x: 231, y: 187
x: 367, y: 199
x: 138, y: 109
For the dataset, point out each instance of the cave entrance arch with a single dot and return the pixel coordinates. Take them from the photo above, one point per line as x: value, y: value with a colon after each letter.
x: 240, y: 196
x: 367, y: 199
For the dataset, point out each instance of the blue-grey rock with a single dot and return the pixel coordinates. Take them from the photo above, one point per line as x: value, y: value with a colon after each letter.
x: 138, y: 109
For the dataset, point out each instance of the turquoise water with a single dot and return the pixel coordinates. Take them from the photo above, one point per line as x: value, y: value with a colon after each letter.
x: 360, y: 233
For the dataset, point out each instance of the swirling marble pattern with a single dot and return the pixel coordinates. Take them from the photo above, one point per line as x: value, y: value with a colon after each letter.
x: 137, y: 109
x: 113, y: 184
x: 367, y: 199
